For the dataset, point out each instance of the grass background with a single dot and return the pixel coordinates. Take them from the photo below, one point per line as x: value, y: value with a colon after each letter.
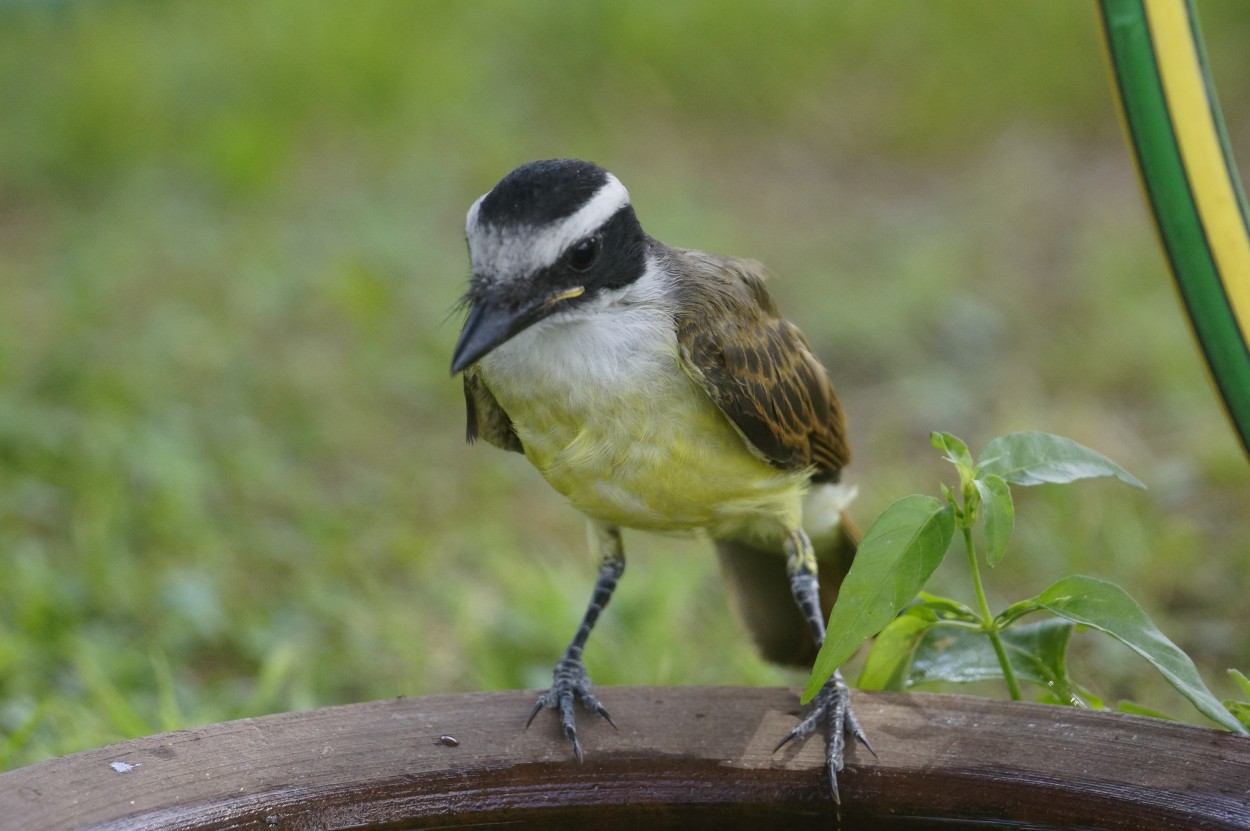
x: 232, y: 474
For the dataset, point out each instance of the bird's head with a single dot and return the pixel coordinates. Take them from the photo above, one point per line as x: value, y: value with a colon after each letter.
x: 551, y: 236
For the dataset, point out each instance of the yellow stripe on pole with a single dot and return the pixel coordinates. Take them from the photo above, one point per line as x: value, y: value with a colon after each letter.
x: 1180, y: 69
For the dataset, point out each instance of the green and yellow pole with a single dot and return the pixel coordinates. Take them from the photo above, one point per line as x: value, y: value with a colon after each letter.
x: 1174, y: 126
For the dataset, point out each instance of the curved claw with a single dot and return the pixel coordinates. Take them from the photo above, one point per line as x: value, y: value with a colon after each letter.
x: 564, y: 700
x: 571, y: 684
x: 599, y: 710
x: 832, y: 709
x: 854, y: 729
x: 807, y: 725
x: 538, y: 706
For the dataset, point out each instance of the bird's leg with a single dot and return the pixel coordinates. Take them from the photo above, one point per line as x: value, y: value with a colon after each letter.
x: 571, y: 683
x: 832, y: 705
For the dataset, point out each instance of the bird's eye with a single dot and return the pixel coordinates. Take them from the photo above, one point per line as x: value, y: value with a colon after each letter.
x: 583, y: 255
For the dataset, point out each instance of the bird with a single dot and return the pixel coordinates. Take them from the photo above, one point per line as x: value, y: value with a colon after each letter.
x: 659, y: 388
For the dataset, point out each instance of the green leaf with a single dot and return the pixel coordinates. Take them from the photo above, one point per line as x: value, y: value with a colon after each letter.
x: 1107, y: 607
x: 1242, y: 681
x: 1135, y: 709
x: 1016, y: 610
x: 1240, y: 711
x: 1036, y: 458
x: 1091, y: 700
x: 1000, y: 515
x: 889, y: 660
x: 1076, y: 696
x: 1037, y: 652
x: 954, y: 448
x: 894, y: 560
x: 946, y: 608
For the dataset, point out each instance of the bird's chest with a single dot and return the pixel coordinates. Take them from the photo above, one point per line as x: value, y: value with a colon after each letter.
x: 613, y: 421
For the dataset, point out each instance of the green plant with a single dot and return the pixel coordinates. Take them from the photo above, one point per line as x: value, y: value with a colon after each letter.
x: 941, y: 639
x: 1240, y: 709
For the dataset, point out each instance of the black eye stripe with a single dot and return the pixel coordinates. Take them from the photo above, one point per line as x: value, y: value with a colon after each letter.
x: 619, y: 257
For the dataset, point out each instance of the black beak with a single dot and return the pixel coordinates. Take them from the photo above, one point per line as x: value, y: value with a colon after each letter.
x: 492, y: 322
x: 486, y: 328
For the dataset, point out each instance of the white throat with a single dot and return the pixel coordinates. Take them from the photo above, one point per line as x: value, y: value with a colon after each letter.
x: 619, y: 339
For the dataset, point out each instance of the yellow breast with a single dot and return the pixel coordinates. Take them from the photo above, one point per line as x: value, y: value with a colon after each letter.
x: 632, y: 440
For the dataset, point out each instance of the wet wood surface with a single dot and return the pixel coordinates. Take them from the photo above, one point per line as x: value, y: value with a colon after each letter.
x: 684, y: 757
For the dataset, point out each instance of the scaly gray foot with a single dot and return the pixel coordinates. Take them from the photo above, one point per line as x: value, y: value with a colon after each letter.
x: 571, y: 684
x: 831, y: 708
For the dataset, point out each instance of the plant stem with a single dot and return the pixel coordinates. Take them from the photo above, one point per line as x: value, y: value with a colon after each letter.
x: 987, y: 619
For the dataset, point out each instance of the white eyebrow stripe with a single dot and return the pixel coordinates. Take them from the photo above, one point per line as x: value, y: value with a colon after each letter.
x: 553, y: 239
x: 471, y: 219
x: 514, y: 251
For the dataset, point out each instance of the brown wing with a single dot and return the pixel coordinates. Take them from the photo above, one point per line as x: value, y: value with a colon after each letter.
x: 484, y: 416
x: 757, y: 366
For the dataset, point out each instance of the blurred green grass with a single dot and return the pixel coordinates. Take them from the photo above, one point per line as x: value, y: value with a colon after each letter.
x: 232, y: 475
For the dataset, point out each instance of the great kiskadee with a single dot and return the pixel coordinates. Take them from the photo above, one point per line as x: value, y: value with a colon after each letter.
x: 658, y: 388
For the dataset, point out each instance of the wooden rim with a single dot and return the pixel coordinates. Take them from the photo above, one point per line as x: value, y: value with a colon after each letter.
x: 684, y: 757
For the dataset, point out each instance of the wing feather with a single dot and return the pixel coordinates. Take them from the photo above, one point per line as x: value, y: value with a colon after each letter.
x: 757, y: 366
x: 484, y: 417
